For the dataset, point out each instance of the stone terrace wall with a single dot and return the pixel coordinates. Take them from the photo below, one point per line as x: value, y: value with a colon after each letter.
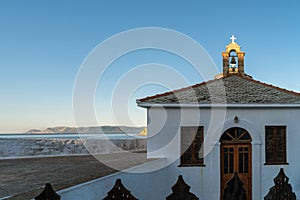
x: 40, y: 147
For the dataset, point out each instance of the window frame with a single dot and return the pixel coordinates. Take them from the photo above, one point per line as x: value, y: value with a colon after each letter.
x: 274, y: 151
x: 192, y: 147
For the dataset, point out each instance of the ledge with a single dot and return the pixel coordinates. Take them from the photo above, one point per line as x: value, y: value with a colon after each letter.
x: 191, y: 165
x: 285, y: 163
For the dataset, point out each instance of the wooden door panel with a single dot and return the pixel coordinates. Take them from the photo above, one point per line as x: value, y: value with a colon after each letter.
x: 247, y: 184
x: 236, y: 158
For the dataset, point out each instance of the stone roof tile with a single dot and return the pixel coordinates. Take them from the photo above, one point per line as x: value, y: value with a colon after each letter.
x: 231, y: 89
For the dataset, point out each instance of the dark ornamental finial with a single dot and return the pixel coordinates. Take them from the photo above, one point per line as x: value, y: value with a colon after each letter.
x: 119, y: 192
x: 234, y: 189
x: 48, y: 194
x: 282, y: 190
x: 181, y: 191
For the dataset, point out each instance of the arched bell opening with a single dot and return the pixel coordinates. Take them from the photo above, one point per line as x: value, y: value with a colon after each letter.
x: 233, y: 62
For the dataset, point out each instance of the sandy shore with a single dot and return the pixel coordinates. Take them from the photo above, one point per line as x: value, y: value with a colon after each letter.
x: 24, y: 178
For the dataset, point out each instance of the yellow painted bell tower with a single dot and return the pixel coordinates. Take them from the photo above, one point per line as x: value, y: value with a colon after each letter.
x: 233, y: 59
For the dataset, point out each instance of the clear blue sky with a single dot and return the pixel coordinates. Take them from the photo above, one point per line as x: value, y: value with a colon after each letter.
x: 43, y: 43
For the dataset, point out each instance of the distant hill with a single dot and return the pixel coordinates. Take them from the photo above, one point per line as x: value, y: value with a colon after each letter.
x: 93, y: 129
x: 33, y: 131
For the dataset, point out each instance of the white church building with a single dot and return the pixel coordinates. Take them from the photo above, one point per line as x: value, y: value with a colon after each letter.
x: 224, y: 139
x: 232, y: 124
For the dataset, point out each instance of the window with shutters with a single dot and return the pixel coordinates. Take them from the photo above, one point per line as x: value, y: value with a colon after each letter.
x: 191, y: 143
x: 275, y: 138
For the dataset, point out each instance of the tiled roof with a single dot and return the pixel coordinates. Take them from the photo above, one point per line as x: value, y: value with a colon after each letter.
x: 233, y: 89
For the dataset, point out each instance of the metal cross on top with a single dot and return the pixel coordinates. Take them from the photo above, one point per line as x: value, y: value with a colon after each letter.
x: 232, y: 38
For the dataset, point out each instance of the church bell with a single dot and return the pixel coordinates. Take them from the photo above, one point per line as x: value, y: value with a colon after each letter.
x: 232, y: 62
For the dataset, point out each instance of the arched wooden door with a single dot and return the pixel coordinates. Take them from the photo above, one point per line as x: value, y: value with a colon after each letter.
x: 236, y: 157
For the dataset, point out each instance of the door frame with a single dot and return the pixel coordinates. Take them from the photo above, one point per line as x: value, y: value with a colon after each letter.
x: 236, y: 144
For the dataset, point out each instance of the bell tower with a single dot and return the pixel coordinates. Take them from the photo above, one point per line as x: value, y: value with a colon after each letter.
x: 233, y: 59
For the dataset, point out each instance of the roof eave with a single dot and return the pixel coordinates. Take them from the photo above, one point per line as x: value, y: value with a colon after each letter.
x: 238, y: 105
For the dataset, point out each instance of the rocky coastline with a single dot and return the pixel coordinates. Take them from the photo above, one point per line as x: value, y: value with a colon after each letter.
x: 51, y: 147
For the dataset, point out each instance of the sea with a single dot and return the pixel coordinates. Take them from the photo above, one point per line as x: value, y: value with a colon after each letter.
x: 112, y: 135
